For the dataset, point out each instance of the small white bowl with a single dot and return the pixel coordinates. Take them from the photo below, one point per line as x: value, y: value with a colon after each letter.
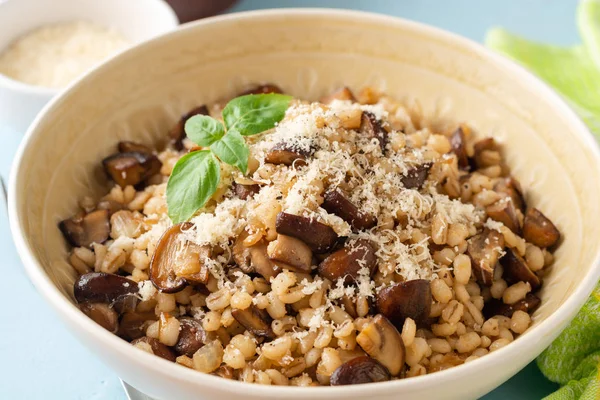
x: 308, y: 53
x: 136, y: 20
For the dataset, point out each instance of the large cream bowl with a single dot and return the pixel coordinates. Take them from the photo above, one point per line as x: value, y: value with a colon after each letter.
x: 140, y: 94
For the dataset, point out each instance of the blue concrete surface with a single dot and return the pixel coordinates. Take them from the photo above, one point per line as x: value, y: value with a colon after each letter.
x: 39, y: 359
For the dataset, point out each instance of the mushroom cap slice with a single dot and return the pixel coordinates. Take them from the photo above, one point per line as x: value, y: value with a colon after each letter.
x: 100, y: 287
x: 131, y: 168
x: 381, y: 340
x: 319, y: 237
x: 496, y: 307
x: 337, y: 202
x: 348, y: 261
x: 133, y: 324
x: 158, y: 348
x: 102, y: 314
x: 192, y: 336
x: 409, y: 299
x: 504, y: 211
x: 516, y: 269
x: 512, y: 188
x: 126, y: 146
x: 360, y: 370
x: 177, y: 132
x: 415, y: 177
x: 245, y: 192
x: 291, y: 251
x: 484, y: 250
x: 538, y: 229
x: 371, y: 127
x: 458, y: 142
x: 176, y: 261
x: 82, y: 231
x: 255, y: 320
x: 287, y: 154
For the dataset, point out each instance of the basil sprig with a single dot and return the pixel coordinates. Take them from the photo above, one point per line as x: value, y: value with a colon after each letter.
x: 195, y: 177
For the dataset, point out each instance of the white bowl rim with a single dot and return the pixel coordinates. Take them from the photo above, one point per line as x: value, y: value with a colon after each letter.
x: 176, y: 372
x: 27, y: 88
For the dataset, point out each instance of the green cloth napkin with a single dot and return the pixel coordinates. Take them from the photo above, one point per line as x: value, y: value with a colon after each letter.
x: 573, y: 360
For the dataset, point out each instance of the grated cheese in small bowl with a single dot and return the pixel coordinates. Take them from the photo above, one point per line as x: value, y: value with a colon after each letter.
x: 54, y: 55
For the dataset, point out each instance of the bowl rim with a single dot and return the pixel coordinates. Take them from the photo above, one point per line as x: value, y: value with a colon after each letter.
x: 176, y: 373
x: 167, y: 13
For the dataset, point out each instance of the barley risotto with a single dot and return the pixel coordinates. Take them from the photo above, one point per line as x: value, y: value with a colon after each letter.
x: 284, y: 242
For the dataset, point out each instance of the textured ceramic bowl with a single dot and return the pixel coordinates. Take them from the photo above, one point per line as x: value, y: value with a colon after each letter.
x: 139, y: 94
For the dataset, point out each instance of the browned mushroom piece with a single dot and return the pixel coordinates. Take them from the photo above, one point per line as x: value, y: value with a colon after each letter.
x: 82, y: 231
x: 349, y: 306
x: 158, y: 348
x: 176, y: 262
x: 261, y: 263
x: 102, y: 314
x: 255, y: 320
x: 110, y: 205
x: 319, y: 237
x: 241, y: 254
x: 512, y: 188
x: 99, y: 287
x: 287, y: 154
x: 504, y: 211
x: 371, y: 127
x: 131, y: 168
x: 408, y: 299
x: 291, y: 251
x: 458, y: 142
x: 337, y: 202
x: 415, y: 177
x: 484, y: 250
x: 516, y: 269
x: 381, y: 340
x: 245, y: 192
x: 262, y: 89
x: 192, y: 336
x: 360, y: 370
x: 224, y: 371
x: 177, y: 132
x: 538, y: 229
x: 497, y: 307
x: 480, y: 150
x: 127, y: 146
x: 348, y: 261
x: 133, y: 325
x: 343, y: 93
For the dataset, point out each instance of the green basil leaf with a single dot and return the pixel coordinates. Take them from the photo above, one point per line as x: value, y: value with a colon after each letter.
x: 232, y: 150
x: 255, y: 113
x: 204, y: 130
x: 193, y: 181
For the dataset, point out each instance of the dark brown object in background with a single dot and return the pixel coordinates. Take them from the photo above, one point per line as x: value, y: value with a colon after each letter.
x: 190, y: 10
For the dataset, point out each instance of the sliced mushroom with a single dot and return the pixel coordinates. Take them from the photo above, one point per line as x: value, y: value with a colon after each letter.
x: 319, y: 237
x: 497, y: 307
x: 224, y: 371
x: 157, y: 347
x: 261, y: 263
x: 245, y: 192
x: 343, y: 93
x: 192, y: 336
x: 255, y: 320
x: 99, y: 287
x: 360, y: 370
x: 131, y: 168
x: 415, y: 177
x: 110, y: 205
x: 371, y: 127
x: 177, y: 132
x: 291, y: 251
x: 102, y: 314
x: 176, y: 261
x: 241, y: 254
x: 82, y: 231
x: 287, y: 154
x: 408, y: 299
x: 133, y: 325
x: 504, y: 211
x: 262, y: 89
x: 512, y: 188
x: 348, y: 261
x: 516, y: 269
x: 538, y: 229
x: 349, y: 306
x: 337, y: 202
x: 480, y: 151
x: 484, y: 250
x: 127, y: 146
x: 381, y: 340
x: 459, y: 147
